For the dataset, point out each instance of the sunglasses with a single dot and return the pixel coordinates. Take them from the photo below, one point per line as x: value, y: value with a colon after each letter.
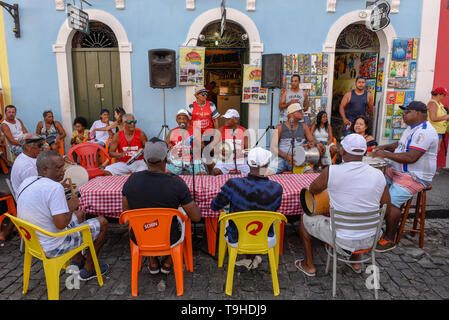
x: 204, y: 94
x: 131, y: 121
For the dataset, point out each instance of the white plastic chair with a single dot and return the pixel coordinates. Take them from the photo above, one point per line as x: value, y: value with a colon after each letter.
x: 352, y: 221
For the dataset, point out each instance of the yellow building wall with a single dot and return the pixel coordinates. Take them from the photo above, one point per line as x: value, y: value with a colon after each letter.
x: 4, y: 70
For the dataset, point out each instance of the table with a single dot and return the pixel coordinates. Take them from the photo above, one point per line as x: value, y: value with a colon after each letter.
x: 102, y: 196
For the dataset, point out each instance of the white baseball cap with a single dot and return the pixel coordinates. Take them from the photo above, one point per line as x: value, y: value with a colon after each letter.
x: 231, y: 113
x: 354, y: 142
x: 199, y: 89
x: 182, y: 111
x: 294, y: 107
x: 258, y: 157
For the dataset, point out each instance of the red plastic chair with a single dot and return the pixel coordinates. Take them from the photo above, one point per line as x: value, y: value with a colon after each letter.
x: 87, y: 155
x: 152, y: 232
x: 11, y: 207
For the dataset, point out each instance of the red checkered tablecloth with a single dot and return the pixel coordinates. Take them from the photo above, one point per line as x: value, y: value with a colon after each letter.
x: 103, y: 195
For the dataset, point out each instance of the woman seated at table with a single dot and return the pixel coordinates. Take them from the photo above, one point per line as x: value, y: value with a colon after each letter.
x: 51, y: 130
x: 322, y: 132
x: 361, y: 125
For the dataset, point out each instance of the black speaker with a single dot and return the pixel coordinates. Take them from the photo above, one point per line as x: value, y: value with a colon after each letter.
x: 162, y: 63
x: 272, y: 70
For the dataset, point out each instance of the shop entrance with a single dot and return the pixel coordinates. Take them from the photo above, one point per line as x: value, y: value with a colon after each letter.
x: 357, y: 54
x: 225, y: 58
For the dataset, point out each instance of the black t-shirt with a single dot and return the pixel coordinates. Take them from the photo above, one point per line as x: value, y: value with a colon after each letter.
x: 145, y: 189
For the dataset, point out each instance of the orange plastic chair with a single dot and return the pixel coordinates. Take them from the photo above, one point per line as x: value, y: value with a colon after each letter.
x: 2, y: 163
x: 52, y: 266
x: 11, y: 207
x: 61, y: 148
x: 151, y: 228
x: 87, y: 154
x: 108, y: 143
x: 253, y: 229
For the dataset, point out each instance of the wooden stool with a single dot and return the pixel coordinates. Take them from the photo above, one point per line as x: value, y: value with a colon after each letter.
x: 420, y: 214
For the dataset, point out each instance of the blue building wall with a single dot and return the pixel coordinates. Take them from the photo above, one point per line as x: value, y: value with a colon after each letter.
x: 285, y: 26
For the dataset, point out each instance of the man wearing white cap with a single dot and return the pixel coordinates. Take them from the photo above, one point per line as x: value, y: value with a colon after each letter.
x: 254, y: 192
x: 233, y: 136
x: 353, y: 186
x: 178, y: 141
x: 291, y: 134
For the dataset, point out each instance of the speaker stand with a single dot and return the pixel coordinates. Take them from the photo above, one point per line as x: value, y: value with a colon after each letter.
x: 271, y: 120
x: 164, y: 128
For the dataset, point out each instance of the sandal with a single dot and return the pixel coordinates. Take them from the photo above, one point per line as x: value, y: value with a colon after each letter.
x: 351, y: 265
x: 300, y: 268
x: 165, y: 268
x: 153, y: 269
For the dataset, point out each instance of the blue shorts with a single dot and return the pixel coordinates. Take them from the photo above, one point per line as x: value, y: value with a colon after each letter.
x: 280, y: 165
x: 177, y: 167
x: 399, y: 195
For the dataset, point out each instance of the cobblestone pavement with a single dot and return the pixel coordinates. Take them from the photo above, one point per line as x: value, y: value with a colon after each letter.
x: 407, y: 272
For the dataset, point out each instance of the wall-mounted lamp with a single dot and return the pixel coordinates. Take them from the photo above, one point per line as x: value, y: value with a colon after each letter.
x: 14, y: 12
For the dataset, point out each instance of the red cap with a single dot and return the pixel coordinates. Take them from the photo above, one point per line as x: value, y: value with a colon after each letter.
x: 440, y: 90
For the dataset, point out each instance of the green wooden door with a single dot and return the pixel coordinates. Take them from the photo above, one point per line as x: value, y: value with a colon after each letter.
x: 96, y: 79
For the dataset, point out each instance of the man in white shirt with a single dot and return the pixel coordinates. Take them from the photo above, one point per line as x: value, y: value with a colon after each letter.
x: 24, y: 166
x: 353, y: 186
x: 42, y: 202
x: 13, y: 128
x: 413, y: 166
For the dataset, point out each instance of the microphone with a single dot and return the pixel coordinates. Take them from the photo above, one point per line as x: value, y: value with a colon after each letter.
x: 291, y: 122
x: 182, y: 126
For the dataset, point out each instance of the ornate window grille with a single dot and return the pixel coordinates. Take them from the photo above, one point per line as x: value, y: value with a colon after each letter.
x: 100, y: 36
x: 233, y: 37
x: 357, y: 37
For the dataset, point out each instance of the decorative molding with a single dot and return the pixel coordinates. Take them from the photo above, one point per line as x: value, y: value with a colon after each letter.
x: 331, y: 5
x: 60, y: 5
x: 250, y: 5
x: 190, y: 4
x: 120, y: 4
x: 395, y: 6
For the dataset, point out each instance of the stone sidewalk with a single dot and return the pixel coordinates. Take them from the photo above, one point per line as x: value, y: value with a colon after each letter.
x: 407, y: 272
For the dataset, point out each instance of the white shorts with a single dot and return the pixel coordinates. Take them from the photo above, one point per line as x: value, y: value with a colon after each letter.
x: 226, y: 167
x: 121, y: 168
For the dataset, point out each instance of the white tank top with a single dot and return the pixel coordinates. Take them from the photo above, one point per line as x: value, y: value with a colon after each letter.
x: 321, y: 134
x: 16, y: 129
x: 355, y: 187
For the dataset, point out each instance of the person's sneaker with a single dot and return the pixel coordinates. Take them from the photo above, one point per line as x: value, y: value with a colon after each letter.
x: 256, y: 261
x: 385, y: 245
x: 87, y: 275
x: 244, y: 263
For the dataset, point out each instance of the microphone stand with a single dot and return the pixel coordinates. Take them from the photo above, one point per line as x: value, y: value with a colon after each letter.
x: 292, y: 143
x: 235, y: 155
x: 271, y: 120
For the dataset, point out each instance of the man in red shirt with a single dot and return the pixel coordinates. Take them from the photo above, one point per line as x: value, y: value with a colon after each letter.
x: 232, y: 137
x: 125, y: 144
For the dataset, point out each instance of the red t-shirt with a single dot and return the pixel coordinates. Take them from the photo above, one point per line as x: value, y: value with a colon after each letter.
x: 226, y: 136
x: 203, y: 116
x: 131, y: 147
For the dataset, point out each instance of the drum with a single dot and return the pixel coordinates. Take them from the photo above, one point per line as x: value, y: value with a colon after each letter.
x: 299, y: 156
x: 314, y: 204
x: 77, y: 174
x: 377, y: 163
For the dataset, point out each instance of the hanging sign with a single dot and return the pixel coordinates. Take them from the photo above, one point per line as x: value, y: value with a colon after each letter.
x: 378, y: 18
x: 77, y: 19
x: 191, y: 65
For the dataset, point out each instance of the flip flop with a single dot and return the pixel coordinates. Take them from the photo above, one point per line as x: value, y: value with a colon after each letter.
x: 350, y: 265
x: 299, y: 267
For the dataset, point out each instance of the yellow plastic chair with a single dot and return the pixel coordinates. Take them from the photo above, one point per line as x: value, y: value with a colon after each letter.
x: 52, y: 266
x: 253, y: 229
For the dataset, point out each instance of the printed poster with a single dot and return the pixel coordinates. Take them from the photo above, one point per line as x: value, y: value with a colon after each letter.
x: 371, y: 86
x: 380, y: 75
x: 319, y: 89
x: 325, y: 63
x: 391, y: 97
x: 319, y: 63
x: 325, y: 85
x: 415, y: 49
x: 400, y: 97
x: 307, y: 64
x: 301, y: 66
x: 252, y: 80
x: 398, y: 69
x: 314, y: 64
x: 409, y: 49
x: 409, y: 97
x: 399, y: 49
x: 191, y: 65
x: 412, y: 71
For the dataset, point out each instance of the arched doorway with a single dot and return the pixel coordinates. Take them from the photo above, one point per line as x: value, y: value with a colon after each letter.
x: 63, y: 52
x: 96, y: 71
x: 356, y: 54
x: 225, y: 58
x: 254, y: 51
